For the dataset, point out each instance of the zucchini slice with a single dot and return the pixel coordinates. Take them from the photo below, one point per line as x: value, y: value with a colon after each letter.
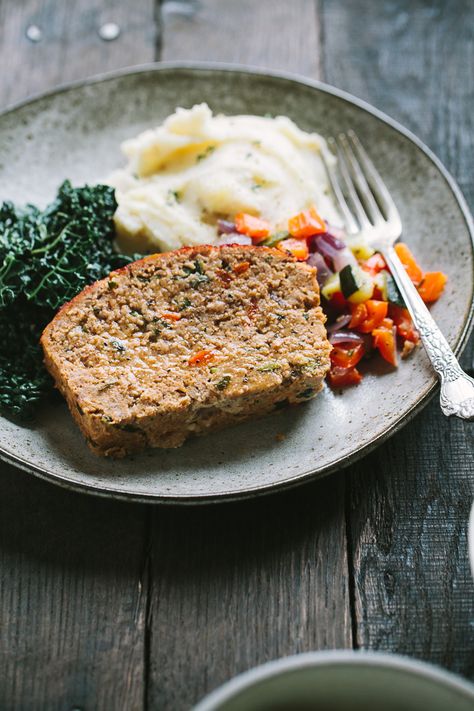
x: 356, y: 285
x: 393, y: 292
x: 331, y: 286
x: 349, y: 283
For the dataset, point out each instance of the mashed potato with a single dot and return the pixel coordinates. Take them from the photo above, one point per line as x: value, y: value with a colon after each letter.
x: 195, y: 168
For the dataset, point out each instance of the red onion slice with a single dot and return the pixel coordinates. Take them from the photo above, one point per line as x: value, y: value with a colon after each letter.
x: 337, y: 232
x: 323, y: 272
x: 339, y: 337
x: 329, y: 242
x: 341, y: 322
x: 334, y: 251
x: 225, y: 227
x: 343, y: 258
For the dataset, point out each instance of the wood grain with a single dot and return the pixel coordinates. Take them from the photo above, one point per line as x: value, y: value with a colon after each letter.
x: 276, y: 34
x: 72, y: 605
x: 70, y: 47
x: 237, y: 585
x: 409, y: 501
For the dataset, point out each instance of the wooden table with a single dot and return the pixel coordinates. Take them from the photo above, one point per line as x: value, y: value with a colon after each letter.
x: 106, y: 605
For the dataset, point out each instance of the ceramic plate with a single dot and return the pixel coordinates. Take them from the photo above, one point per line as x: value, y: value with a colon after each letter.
x: 75, y: 133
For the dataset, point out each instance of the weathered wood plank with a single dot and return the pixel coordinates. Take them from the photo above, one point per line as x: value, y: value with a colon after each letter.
x: 410, y: 500
x: 72, y: 605
x: 410, y: 505
x: 70, y: 46
x: 237, y: 585
x: 269, y: 33
x: 72, y: 598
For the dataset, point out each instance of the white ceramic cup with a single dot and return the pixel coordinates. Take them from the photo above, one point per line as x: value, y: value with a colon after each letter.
x: 343, y: 681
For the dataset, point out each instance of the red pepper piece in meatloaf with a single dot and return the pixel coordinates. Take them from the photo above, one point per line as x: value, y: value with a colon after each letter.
x: 185, y: 342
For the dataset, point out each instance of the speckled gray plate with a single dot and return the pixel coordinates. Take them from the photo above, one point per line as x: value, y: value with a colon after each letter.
x: 75, y: 133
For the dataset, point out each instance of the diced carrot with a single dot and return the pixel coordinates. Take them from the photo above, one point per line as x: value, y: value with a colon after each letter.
x: 347, y: 356
x: 201, y: 357
x: 252, y: 226
x: 385, y: 340
x: 342, y: 377
x: 241, y: 268
x: 306, y: 224
x: 432, y: 286
x: 376, y: 312
x: 296, y: 247
x: 359, y: 314
x: 374, y: 264
x: 412, y: 268
x: 402, y: 320
x: 171, y: 316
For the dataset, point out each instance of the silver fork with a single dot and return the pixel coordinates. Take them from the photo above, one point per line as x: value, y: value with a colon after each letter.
x: 376, y: 216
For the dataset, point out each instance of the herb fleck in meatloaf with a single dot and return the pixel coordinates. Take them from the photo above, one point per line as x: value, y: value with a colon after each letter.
x: 185, y: 342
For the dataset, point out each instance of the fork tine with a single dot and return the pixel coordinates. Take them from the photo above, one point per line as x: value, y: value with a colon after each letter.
x: 361, y: 215
x: 351, y: 225
x: 361, y: 184
x: 373, y: 178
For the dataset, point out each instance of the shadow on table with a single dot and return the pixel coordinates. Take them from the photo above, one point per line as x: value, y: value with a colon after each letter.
x: 58, y: 527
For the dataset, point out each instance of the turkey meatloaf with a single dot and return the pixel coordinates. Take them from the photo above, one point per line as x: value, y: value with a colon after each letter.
x: 185, y: 342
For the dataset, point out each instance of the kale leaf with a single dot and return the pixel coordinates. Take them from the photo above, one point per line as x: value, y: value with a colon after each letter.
x: 46, y: 258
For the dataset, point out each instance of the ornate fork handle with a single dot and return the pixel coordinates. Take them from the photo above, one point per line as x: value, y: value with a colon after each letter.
x: 457, y: 388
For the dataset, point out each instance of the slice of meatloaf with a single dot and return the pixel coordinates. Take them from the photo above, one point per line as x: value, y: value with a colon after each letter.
x: 185, y: 342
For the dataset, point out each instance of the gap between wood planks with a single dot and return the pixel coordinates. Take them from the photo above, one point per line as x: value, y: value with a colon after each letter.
x: 146, y: 582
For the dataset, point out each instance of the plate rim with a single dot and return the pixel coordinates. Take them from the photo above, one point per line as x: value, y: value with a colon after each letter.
x: 343, y: 461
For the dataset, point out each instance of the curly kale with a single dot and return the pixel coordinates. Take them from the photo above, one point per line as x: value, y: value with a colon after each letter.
x: 23, y: 379
x: 46, y: 258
